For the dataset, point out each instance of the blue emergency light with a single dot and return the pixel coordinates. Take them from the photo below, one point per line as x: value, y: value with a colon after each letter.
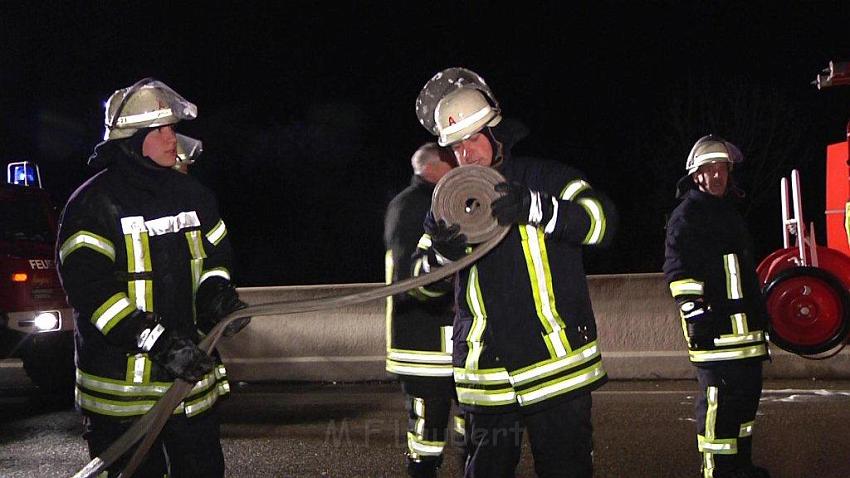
x: 23, y: 173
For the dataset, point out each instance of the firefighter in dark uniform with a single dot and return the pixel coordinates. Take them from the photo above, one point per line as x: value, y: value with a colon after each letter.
x: 419, y: 326
x: 710, y: 268
x: 145, y: 261
x: 525, y: 349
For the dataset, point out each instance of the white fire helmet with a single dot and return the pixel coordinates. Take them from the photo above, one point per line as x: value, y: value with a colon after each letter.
x: 462, y: 113
x: 441, y: 86
x: 712, y: 149
x: 149, y: 103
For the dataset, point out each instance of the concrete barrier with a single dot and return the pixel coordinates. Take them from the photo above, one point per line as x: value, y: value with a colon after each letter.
x: 639, y: 332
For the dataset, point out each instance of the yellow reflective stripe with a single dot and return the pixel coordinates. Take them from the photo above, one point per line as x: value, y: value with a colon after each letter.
x: 746, y: 429
x: 711, y: 412
x: 728, y: 354
x: 423, y: 293
x: 459, y: 425
x: 687, y: 287
x: 217, y: 233
x: 87, y: 239
x: 121, y: 388
x: 725, y: 446
x: 421, y: 447
x: 490, y: 376
x: 739, y: 324
x: 114, y: 408
x: 553, y: 366
x: 573, y: 188
x: 111, y: 312
x: 736, y: 339
x: 733, y: 277
x: 418, y: 369
x: 138, y: 261
x: 446, y: 343
x: 389, y: 265
x: 215, y: 272
x: 479, y: 319
x: 424, y: 242
x: 561, y: 385
x: 419, y: 356
x: 138, y: 369
x: 537, y: 263
x: 196, y: 263
x: 476, y: 396
x: 204, y: 403
x: 597, y: 220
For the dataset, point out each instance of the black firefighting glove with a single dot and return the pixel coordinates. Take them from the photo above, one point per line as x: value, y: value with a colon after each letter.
x: 176, y: 353
x: 700, y: 323
x: 217, y: 300
x: 447, y: 241
x: 520, y: 205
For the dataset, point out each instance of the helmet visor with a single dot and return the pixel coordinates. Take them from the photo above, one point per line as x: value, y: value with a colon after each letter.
x: 150, y: 103
x: 188, y: 149
x: 442, y: 84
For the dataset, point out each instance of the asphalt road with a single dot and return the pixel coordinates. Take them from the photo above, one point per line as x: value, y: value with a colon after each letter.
x: 642, y: 429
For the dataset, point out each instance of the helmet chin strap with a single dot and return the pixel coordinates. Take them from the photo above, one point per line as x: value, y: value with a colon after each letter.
x: 496, y: 145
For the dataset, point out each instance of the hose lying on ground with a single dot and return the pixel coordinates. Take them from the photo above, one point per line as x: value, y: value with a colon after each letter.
x: 462, y: 197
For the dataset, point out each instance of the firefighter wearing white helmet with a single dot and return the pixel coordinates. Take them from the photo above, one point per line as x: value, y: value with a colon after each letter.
x: 710, y: 268
x: 525, y: 351
x: 145, y: 262
x: 463, y: 113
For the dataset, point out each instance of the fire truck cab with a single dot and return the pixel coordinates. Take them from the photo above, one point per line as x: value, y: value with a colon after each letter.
x: 36, y: 323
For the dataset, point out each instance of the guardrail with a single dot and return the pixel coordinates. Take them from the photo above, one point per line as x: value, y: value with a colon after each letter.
x: 639, y: 333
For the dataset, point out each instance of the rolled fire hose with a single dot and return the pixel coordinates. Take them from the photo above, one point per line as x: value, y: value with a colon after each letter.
x: 463, y: 196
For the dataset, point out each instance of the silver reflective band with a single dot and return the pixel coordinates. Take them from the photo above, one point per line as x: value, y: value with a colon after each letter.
x: 169, y: 224
x: 90, y: 240
x: 535, y: 211
x: 419, y: 370
x: 465, y: 122
x: 421, y: 357
x: 709, y: 156
x: 573, y: 189
x: 142, y: 117
x: 482, y: 377
x: 597, y: 220
x: 422, y: 447
x: 223, y: 273
x: 149, y: 337
x: 112, y: 312
x: 561, y: 386
x: 217, y: 233
x: 566, y: 362
x: 550, y: 226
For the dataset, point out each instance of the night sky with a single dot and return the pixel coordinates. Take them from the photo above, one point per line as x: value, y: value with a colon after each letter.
x: 306, y: 109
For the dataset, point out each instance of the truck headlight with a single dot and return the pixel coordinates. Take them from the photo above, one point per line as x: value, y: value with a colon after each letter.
x: 46, y: 321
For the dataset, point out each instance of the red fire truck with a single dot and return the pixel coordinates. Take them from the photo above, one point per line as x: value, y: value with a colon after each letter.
x: 36, y: 323
x: 807, y: 286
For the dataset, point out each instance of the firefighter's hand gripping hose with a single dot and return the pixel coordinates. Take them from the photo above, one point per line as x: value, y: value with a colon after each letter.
x: 462, y: 197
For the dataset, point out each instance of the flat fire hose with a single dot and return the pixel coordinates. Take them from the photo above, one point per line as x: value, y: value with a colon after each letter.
x: 463, y: 196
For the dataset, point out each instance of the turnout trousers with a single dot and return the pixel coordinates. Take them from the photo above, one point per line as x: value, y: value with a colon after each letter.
x: 428, y: 432
x: 561, y: 439
x: 186, y: 447
x: 725, y: 415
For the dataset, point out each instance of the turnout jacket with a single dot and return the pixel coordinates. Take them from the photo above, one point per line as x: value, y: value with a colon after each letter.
x: 419, y: 322
x: 138, y: 236
x: 525, y: 334
x: 710, y: 268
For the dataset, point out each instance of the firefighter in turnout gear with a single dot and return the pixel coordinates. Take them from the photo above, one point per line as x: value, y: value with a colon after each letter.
x: 419, y: 326
x: 710, y: 268
x: 145, y: 261
x: 525, y: 350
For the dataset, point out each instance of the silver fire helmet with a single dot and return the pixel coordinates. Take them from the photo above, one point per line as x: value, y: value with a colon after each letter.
x: 148, y: 103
